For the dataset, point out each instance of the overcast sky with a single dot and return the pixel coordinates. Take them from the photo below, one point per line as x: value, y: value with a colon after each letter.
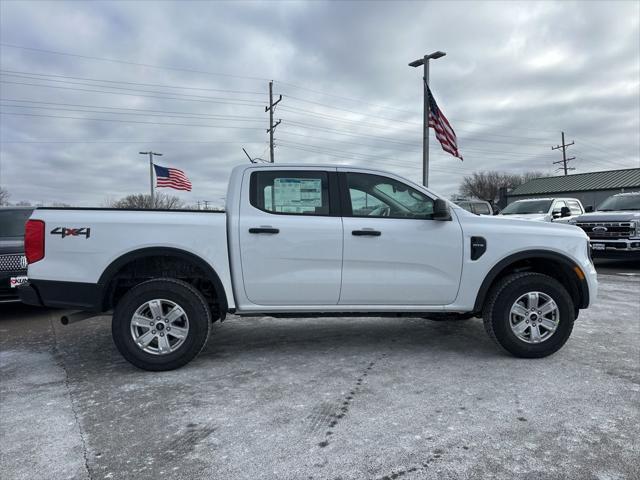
x: 190, y: 80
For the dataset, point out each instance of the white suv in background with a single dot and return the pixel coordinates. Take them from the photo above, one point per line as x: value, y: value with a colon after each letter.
x: 544, y: 209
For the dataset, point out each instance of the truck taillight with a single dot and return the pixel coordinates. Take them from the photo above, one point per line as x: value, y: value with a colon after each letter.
x: 34, y: 241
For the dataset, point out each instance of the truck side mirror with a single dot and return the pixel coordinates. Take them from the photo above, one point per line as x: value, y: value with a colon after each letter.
x: 555, y: 214
x: 441, y: 210
x: 588, y: 209
x: 565, y: 212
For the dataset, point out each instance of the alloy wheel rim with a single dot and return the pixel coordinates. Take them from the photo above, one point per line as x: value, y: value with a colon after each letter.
x: 159, y: 326
x: 534, y: 317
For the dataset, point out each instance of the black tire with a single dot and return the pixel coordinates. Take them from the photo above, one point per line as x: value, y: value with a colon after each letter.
x: 498, y: 306
x: 177, y: 291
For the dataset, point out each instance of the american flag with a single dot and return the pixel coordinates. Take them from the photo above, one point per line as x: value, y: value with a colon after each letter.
x: 444, y: 132
x: 172, y: 178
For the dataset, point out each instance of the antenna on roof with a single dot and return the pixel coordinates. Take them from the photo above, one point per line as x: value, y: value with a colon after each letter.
x: 254, y: 160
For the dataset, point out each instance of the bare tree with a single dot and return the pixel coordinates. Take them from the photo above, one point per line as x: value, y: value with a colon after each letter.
x: 486, y: 185
x: 160, y: 201
x: 4, y: 196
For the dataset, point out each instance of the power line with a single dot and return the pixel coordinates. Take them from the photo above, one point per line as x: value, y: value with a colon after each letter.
x: 67, y: 82
x: 203, y: 72
x: 349, y: 156
x: 347, y: 132
x: 290, y: 109
x: 129, y: 121
x: 205, y: 115
x: 243, y: 103
x: 125, y: 141
x: 596, y: 147
x: 16, y: 73
x: 353, y: 133
x: 360, y: 101
x: 301, y: 112
x: 194, y: 117
x: 412, y: 150
x: 125, y: 62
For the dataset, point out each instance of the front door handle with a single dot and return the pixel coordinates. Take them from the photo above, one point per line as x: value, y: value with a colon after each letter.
x: 264, y: 230
x: 366, y: 233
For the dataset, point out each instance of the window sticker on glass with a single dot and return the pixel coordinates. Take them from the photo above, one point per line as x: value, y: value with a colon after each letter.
x: 297, y: 195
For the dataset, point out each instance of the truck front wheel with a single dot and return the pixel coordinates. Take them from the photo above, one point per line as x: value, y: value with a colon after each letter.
x: 530, y: 315
x: 161, y: 324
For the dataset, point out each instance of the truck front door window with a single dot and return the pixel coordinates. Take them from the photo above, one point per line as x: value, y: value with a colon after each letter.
x: 377, y: 196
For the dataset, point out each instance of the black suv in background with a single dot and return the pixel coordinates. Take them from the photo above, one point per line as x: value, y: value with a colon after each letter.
x: 614, y: 228
x: 13, y: 264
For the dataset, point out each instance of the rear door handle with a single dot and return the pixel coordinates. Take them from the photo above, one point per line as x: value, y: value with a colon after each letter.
x: 264, y: 230
x: 366, y: 233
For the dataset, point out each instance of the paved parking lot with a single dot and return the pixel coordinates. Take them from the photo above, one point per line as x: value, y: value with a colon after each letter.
x: 340, y: 398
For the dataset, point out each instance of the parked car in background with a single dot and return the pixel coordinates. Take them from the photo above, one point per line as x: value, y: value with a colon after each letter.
x: 614, y: 228
x: 13, y: 264
x: 479, y: 207
x: 544, y: 209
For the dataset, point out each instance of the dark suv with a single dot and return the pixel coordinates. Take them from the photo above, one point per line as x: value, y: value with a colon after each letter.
x: 614, y: 228
x: 13, y: 264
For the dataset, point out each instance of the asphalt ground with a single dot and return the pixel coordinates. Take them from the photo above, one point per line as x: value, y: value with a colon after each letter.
x: 333, y: 398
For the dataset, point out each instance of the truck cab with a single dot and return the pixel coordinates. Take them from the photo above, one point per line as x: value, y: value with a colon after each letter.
x: 544, y: 209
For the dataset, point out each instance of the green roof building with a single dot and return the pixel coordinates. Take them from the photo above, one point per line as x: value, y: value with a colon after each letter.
x: 590, y: 188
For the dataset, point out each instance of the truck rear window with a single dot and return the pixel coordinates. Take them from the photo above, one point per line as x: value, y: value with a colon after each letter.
x: 291, y: 192
x: 12, y: 222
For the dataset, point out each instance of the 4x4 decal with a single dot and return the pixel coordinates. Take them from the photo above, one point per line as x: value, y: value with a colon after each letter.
x: 71, y: 232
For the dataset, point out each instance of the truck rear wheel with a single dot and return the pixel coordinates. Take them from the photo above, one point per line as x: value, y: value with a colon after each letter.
x: 530, y: 315
x: 161, y: 324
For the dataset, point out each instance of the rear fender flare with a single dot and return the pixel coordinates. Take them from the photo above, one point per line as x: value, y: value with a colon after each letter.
x: 115, y: 266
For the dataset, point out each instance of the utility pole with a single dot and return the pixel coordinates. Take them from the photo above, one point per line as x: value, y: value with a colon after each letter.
x: 564, y: 160
x: 272, y: 127
x: 151, y: 154
x: 424, y: 61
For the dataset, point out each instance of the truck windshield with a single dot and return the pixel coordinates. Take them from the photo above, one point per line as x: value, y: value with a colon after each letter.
x: 620, y: 202
x: 527, y: 206
x: 12, y: 222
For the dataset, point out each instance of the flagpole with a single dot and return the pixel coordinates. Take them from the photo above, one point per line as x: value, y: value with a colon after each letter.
x: 151, y: 154
x: 151, y: 176
x: 425, y: 125
x: 425, y: 113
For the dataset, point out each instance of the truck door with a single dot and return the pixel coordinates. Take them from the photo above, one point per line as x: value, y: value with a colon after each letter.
x: 394, y: 254
x: 291, y: 237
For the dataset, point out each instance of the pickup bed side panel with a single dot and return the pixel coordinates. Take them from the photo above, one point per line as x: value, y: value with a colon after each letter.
x: 113, y: 233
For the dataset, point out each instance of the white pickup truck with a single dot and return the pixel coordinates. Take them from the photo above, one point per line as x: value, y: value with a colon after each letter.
x: 308, y: 241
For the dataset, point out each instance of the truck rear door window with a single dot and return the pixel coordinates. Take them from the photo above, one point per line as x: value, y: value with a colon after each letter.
x: 290, y: 192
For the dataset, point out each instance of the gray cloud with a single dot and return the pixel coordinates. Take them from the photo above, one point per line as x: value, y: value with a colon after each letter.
x: 515, y: 74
